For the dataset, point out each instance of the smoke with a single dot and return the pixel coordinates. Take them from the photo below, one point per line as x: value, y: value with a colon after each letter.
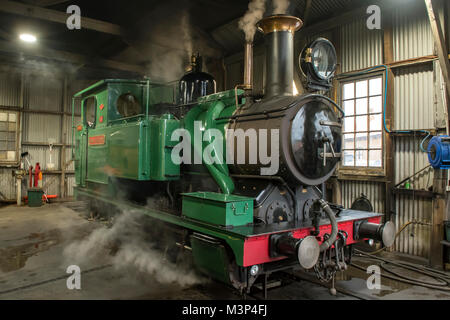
x: 164, y: 41
x: 187, y: 34
x: 255, y: 12
x: 131, y: 251
x: 280, y: 6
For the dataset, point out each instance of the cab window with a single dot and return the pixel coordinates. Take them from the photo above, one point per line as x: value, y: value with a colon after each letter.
x: 90, y: 106
x: 128, y: 105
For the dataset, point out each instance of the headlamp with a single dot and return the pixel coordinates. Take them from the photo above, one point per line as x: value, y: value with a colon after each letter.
x: 318, y: 62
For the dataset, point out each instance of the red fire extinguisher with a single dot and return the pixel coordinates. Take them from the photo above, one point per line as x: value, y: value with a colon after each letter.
x: 37, y: 175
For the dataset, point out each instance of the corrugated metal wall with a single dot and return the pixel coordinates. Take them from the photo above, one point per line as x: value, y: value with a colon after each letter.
x: 374, y: 191
x: 43, y: 121
x: 9, y: 88
x: 412, y: 34
x: 414, y: 109
x: 360, y: 47
x: 10, y: 97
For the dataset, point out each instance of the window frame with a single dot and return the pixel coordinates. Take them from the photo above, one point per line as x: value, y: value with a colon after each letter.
x: 141, y: 112
x: 16, y: 161
x: 85, y: 120
x: 357, y: 170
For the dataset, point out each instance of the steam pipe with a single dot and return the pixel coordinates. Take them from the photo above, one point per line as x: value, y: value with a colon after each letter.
x: 334, y: 226
x: 248, y: 66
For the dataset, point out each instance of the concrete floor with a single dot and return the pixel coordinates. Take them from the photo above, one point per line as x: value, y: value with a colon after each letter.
x: 38, y: 244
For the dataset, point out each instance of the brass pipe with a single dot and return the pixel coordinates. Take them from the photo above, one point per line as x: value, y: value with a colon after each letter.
x: 248, y: 66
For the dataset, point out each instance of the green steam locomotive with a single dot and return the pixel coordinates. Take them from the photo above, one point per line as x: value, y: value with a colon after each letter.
x: 233, y: 175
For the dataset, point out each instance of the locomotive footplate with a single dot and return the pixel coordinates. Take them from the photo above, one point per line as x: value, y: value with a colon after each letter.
x: 250, y: 244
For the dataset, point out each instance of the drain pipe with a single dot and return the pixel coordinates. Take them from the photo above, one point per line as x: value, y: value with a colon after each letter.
x: 334, y: 226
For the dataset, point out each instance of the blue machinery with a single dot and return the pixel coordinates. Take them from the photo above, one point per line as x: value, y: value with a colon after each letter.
x: 439, y: 152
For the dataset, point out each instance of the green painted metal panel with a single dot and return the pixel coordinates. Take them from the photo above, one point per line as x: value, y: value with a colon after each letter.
x: 128, y: 150
x: 102, y: 109
x: 97, y: 161
x: 210, y: 257
x: 218, y: 208
x: 162, y: 167
x: 35, y: 197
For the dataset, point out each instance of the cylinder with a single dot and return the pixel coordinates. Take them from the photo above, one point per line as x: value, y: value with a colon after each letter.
x: 279, y: 38
x: 248, y: 66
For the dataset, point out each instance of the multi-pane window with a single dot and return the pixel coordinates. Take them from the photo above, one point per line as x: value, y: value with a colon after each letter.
x: 362, y: 101
x: 8, y: 135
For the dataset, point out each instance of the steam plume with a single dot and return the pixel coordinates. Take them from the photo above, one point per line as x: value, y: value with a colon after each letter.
x: 187, y: 33
x: 255, y: 12
x: 135, y: 253
x: 163, y: 41
x: 280, y: 6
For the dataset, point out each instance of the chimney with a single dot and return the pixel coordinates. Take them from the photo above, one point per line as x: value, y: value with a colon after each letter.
x: 279, y: 37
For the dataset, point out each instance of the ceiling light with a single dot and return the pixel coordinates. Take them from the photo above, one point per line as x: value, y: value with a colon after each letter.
x: 27, y: 37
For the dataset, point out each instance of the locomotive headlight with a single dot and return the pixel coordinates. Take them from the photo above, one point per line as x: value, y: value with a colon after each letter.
x: 318, y: 62
x: 254, y: 270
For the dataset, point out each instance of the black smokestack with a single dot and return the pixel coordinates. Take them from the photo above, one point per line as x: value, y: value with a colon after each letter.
x: 279, y: 36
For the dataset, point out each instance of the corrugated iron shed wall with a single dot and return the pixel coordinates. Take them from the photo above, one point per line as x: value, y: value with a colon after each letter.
x: 43, y: 121
x: 414, y: 108
x: 360, y: 47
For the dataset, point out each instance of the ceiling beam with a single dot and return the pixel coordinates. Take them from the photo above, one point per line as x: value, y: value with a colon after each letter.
x: 439, y: 42
x: 45, y: 3
x: 334, y: 22
x: 39, y: 52
x: 58, y: 16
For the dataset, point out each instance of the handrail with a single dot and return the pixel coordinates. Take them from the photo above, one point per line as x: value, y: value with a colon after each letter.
x: 128, y: 118
x: 73, y: 127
